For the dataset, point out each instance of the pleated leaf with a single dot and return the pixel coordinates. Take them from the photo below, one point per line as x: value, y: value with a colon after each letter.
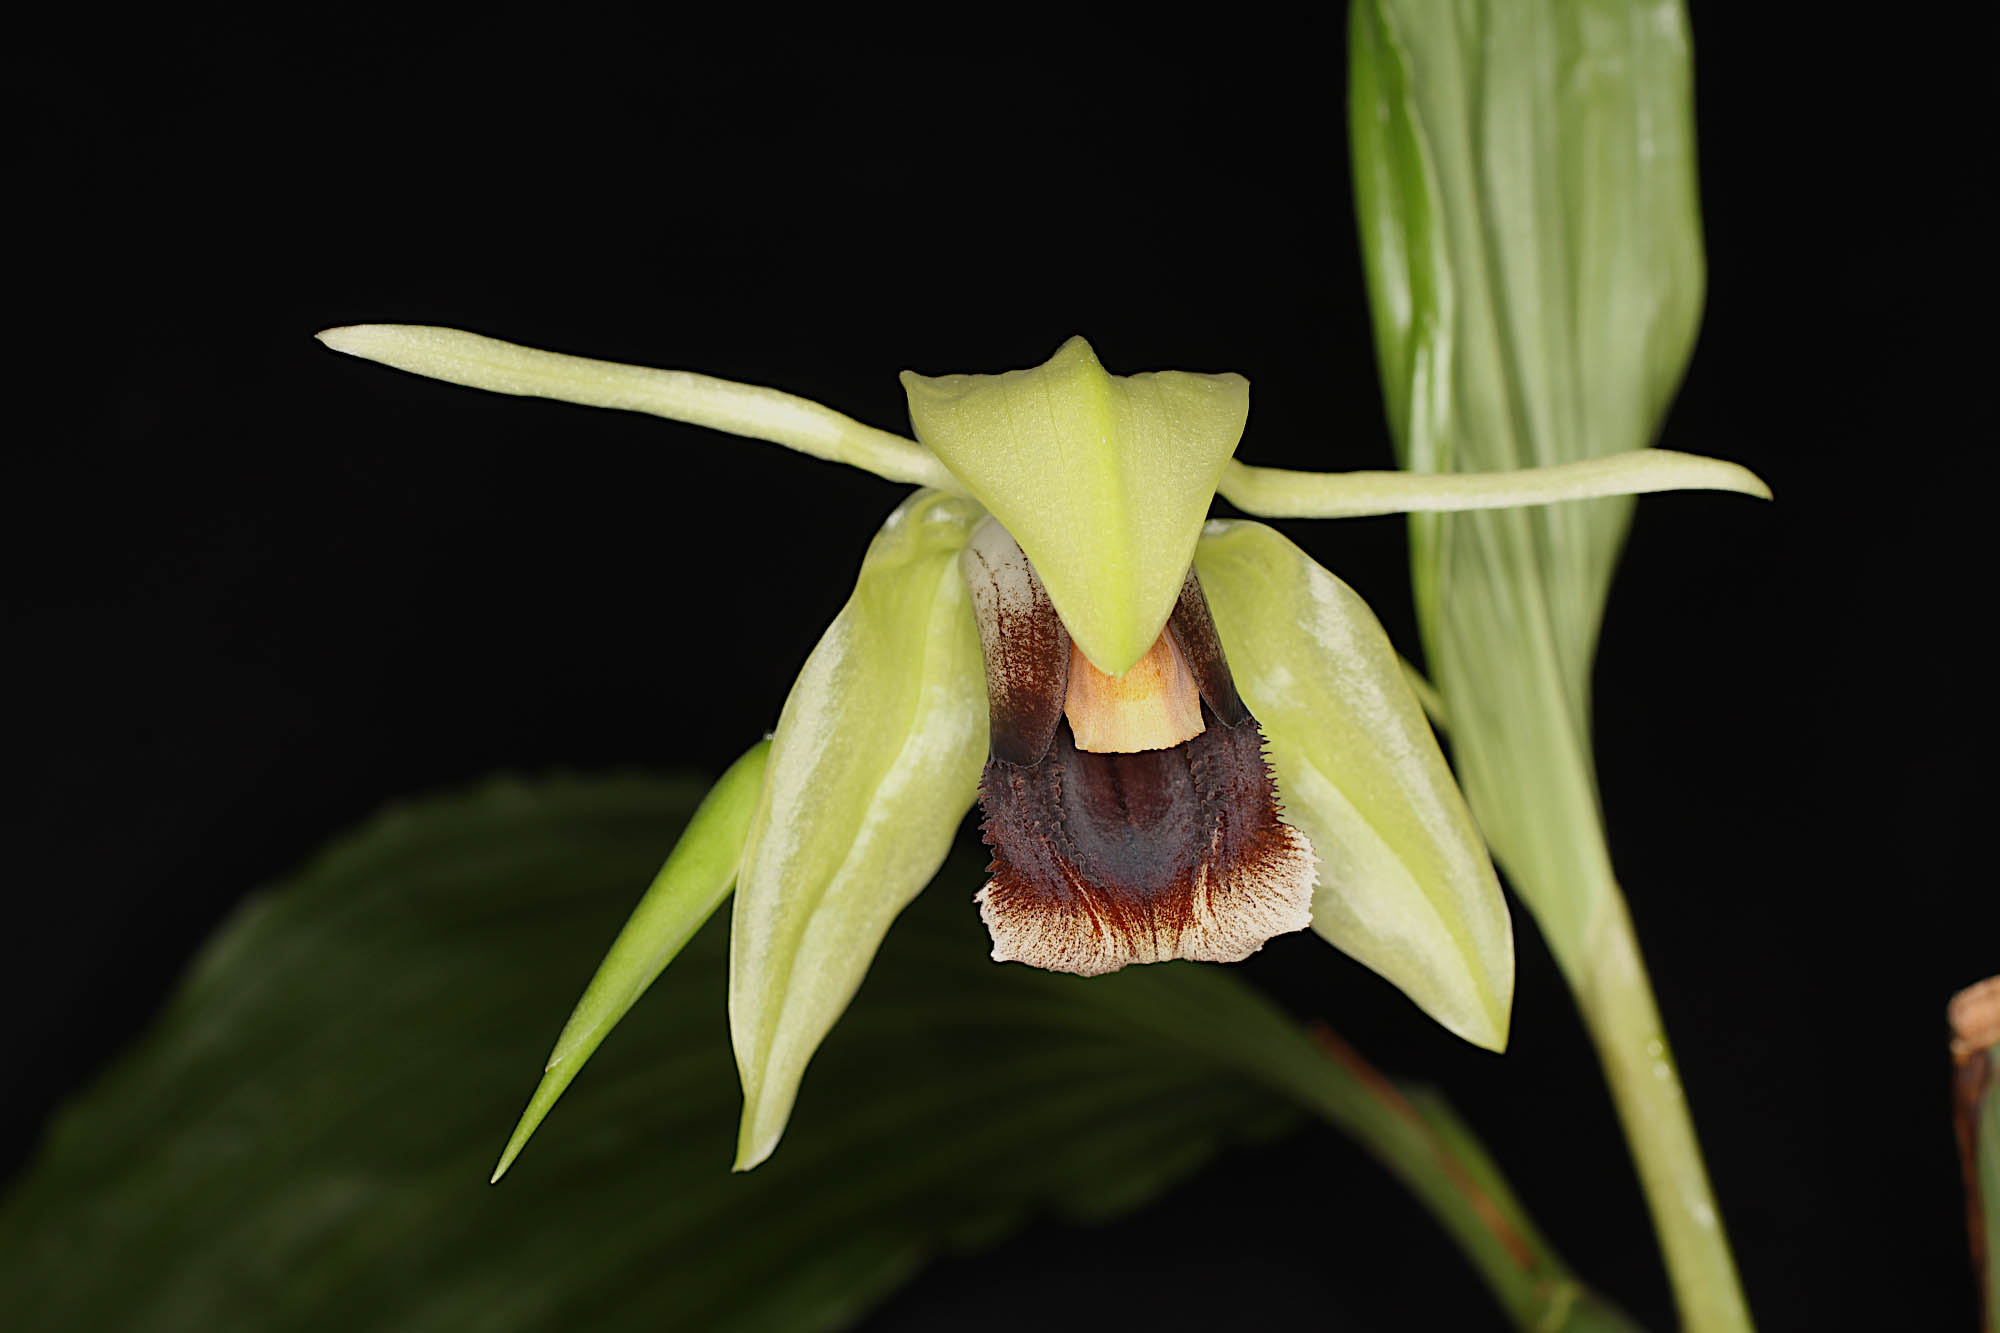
x: 1525, y: 183
x: 875, y: 761
x: 1404, y: 882
x: 302, y: 1141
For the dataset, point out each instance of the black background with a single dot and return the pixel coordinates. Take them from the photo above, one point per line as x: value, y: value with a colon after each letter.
x: 255, y: 590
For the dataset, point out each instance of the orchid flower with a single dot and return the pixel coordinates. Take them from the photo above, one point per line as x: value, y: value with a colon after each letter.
x: 1186, y: 736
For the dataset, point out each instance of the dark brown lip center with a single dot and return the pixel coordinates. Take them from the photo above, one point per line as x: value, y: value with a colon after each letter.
x: 1100, y: 860
x: 1149, y: 847
x: 1135, y: 826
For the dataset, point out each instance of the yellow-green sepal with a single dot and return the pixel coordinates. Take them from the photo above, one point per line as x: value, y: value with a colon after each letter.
x: 1103, y: 479
x: 697, y: 876
x: 875, y: 760
x: 1405, y: 884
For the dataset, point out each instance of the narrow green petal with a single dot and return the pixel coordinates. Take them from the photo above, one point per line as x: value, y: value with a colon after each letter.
x: 876, y: 759
x: 690, y: 886
x: 1276, y: 493
x: 1405, y: 885
x: 679, y: 395
x: 1104, y: 480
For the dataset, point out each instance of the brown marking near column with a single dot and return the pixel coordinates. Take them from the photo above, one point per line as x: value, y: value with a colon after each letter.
x: 1193, y: 630
x: 1026, y: 647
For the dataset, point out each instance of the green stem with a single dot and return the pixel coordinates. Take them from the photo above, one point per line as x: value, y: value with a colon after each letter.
x: 1616, y: 998
x: 1551, y: 844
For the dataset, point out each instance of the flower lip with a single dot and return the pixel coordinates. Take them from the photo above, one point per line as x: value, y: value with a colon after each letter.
x: 1130, y: 820
x: 1100, y: 860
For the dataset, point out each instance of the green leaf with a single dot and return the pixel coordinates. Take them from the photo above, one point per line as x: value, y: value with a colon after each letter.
x: 1525, y: 182
x: 302, y: 1140
x: 697, y: 876
x: 1103, y: 479
x: 876, y: 760
x: 1405, y: 885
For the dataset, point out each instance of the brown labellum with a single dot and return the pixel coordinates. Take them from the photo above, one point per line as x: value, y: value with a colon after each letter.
x: 1167, y: 846
x: 1100, y: 860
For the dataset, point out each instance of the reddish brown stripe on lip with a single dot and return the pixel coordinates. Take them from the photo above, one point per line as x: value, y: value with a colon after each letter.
x: 1100, y: 860
x: 1194, y: 634
x: 1024, y: 643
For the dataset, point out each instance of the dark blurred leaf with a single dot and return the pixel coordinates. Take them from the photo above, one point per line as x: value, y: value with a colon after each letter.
x: 303, y: 1140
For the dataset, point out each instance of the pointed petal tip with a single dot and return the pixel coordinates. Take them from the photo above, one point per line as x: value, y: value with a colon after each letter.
x: 1701, y: 472
x: 752, y: 1153
x: 1492, y: 1037
x: 1277, y: 493
x: 1074, y: 351
x: 518, y: 1141
x: 362, y: 340
x: 1482, y: 1015
x: 756, y: 1136
x: 548, y: 1091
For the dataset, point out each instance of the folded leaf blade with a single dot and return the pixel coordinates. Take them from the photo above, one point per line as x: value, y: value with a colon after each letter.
x: 1525, y: 182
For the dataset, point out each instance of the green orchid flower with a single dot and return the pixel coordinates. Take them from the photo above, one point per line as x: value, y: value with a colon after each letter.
x: 1186, y: 736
